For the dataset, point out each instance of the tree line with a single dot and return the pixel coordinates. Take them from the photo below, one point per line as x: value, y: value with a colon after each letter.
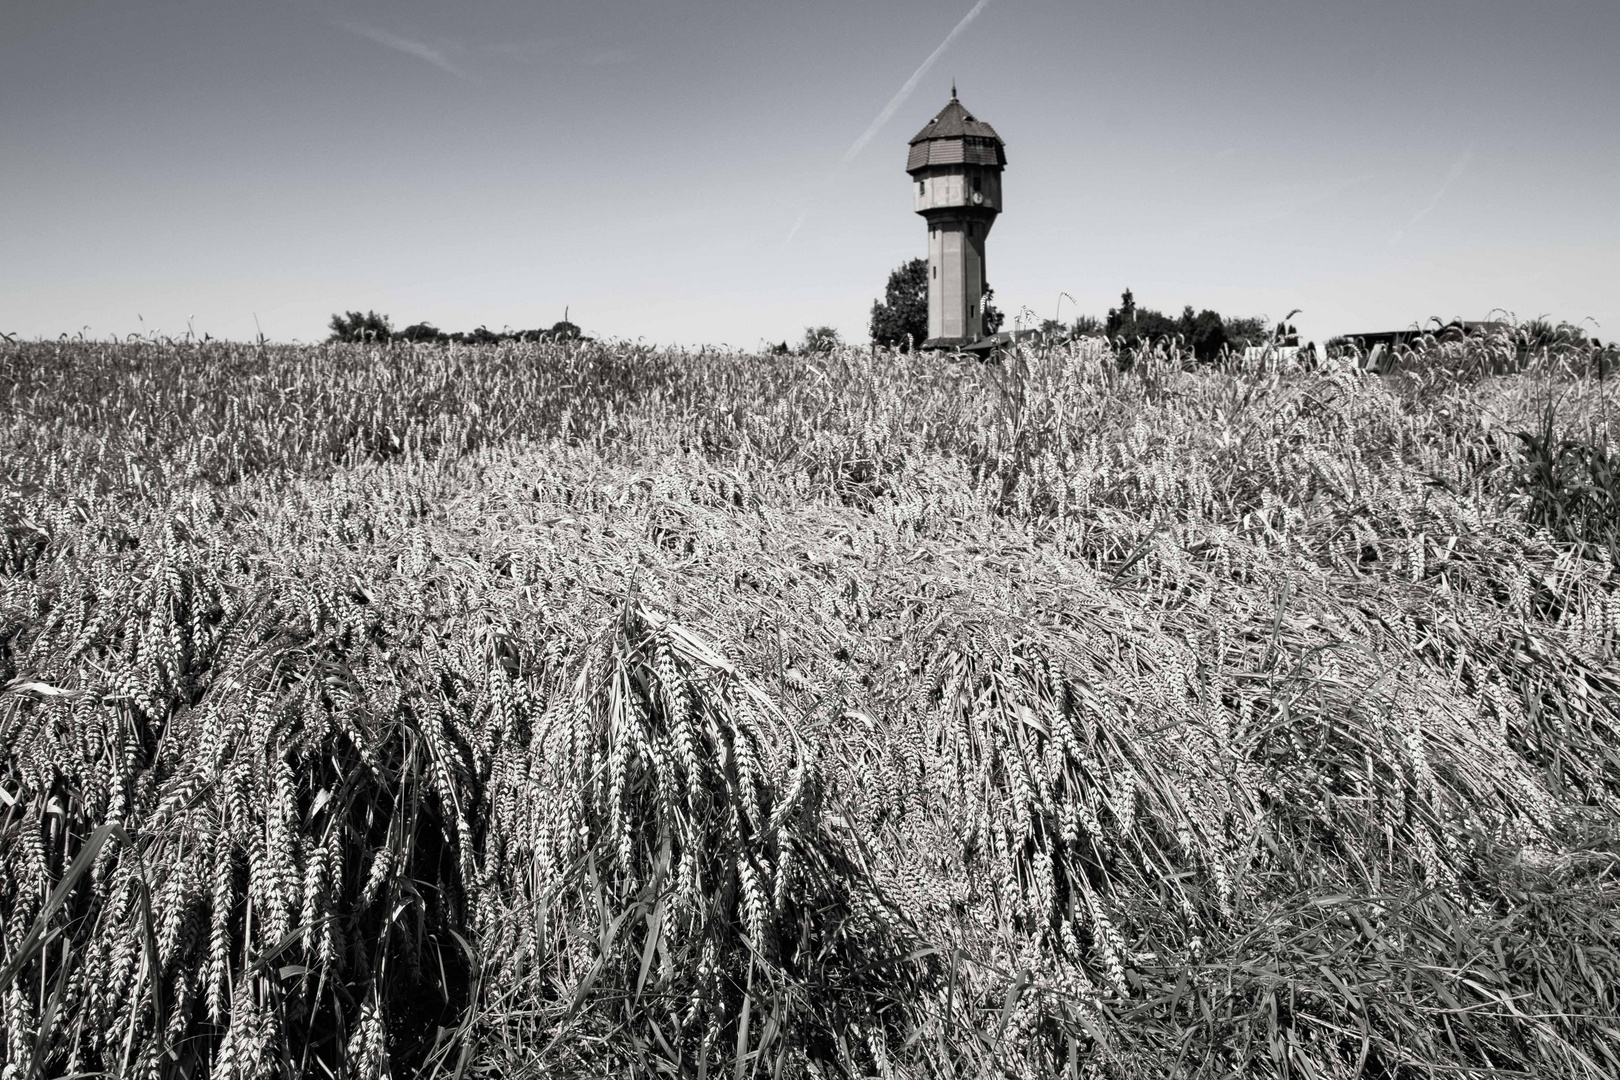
x: 900, y: 320
x: 355, y: 327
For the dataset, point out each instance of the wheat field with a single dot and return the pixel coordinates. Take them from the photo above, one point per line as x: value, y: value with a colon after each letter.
x: 584, y: 709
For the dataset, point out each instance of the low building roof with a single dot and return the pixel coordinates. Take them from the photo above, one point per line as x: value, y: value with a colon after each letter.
x: 1465, y: 327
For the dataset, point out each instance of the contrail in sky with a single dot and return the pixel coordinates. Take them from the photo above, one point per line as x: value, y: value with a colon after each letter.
x: 911, y: 84
x: 1453, y: 174
x: 405, y: 45
x: 797, y: 223
x: 898, y: 100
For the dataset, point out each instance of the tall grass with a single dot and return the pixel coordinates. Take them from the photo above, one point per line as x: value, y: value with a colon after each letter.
x: 582, y: 709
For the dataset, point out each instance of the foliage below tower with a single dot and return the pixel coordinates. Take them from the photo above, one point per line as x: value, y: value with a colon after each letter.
x: 901, y: 317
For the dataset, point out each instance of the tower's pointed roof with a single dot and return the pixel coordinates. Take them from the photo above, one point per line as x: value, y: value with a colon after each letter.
x: 953, y: 122
x: 956, y: 136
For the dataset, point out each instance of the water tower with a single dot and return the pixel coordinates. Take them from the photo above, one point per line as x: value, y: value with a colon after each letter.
x: 956, y: 162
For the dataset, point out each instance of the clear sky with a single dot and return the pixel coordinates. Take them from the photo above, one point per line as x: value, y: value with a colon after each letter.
x: 682, y: 172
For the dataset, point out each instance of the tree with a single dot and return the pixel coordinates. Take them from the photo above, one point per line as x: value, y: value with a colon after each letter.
x: 1053, y: 330
x: 1247, y: 332
x: 820, y: 339
x: 1136, y: 326
x: 423, y: 331
x: 900, y: 319
x: 355, y: 327
x: 481, y: 336
x: 564, y: 331
x: 1127, y: 310
x: 993, y: 318
x: 1204, y: 332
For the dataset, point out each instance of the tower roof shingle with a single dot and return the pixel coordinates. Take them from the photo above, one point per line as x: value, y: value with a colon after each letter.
x: 956, y: 136
x: 954, y: 122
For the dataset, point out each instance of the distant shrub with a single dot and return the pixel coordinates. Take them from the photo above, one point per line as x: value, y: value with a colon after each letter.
x: 1243, y: 333
x: 1542, y: 334
x: 422, y: 331
x: 819, y: 339
x: 1055, y: 330
x: 481, y: 336
x: 1204, y: 333
x: 354, y: 327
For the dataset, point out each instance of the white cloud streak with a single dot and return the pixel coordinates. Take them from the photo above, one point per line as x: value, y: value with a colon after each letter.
x: 405, y: 45
x: 1453, y: 174
x: 894, y: 104
x: 911, y: 84
x: 798, y: 223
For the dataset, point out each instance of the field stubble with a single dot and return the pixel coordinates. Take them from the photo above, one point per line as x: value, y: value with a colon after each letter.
x: 597, y: 709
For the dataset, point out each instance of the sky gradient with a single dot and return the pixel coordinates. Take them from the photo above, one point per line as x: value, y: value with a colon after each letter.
x: 729, y: 173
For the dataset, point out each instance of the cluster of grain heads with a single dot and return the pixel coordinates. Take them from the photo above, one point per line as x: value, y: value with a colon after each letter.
x: 675, y: 901
x: 1098, y: 803
x: 1142, y: 819
x: 344, y: 833
x: 275, y: 800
